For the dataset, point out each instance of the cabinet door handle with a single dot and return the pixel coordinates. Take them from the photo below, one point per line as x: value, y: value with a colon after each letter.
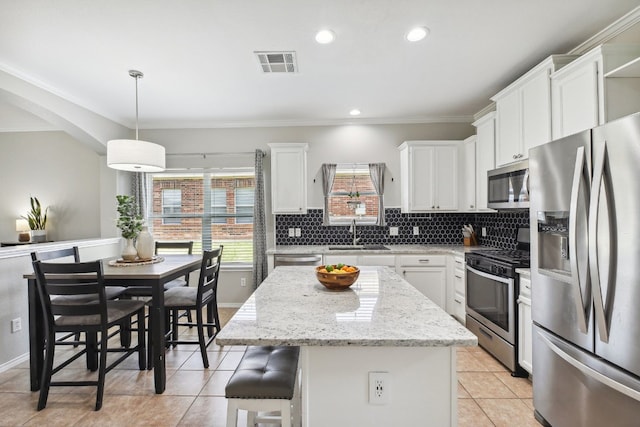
x: 458, y: 301
x: 515, y: 156
x: 433, y: 206
x: 459, y: 277
x: 471, y: 206
x: 437, y: 207
x: 423, y: 260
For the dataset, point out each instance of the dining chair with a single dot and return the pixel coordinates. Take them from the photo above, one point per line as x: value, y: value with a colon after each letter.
x: 112, y: 292
x: 197, y: 298
x: 57, y: 283
x: 176, y: 247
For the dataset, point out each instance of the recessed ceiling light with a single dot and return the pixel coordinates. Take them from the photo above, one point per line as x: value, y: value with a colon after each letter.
x: 417, y: 34
x: 354, y: 112
x: 325, y: 36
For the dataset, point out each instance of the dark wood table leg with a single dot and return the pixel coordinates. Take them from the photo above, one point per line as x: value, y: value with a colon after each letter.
x: 157, y: 337
x: 36, y: 336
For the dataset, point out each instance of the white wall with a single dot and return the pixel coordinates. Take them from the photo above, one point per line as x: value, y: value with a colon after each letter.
x: 61, y: 172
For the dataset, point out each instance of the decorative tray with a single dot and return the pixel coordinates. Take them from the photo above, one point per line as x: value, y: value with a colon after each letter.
x: 125, y: 263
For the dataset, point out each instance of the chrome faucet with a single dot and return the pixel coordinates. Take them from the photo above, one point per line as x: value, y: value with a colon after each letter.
x: 352, y: 230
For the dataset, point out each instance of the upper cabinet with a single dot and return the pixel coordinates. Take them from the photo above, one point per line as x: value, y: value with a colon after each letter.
x: 289, y: 178
x: 523, y: 112
x: 429, y: 176
x: 594, y: 89
x: 468, y: 162
x: 485, y: 159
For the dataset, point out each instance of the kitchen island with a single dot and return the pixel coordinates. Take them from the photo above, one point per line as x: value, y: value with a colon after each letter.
x: 380, y: 324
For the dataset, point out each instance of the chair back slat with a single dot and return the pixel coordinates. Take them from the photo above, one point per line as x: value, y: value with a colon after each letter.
x: 209, y: 272
x: 57, y: 254
x: 175, y: 247
x: 66, y: 289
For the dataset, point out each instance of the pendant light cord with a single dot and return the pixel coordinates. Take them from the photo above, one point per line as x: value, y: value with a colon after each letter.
x: 137, y: 77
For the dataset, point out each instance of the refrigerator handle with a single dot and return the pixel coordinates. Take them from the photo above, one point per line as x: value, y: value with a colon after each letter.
x: 578, y: 181
x: 621, y: 388
x: 594, y: 205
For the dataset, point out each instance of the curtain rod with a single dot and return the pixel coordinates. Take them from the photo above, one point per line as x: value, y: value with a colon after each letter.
x: 219, y: 153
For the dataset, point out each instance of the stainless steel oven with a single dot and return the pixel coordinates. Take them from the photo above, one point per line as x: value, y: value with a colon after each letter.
x: 492, y: 290
x: 508, y: 187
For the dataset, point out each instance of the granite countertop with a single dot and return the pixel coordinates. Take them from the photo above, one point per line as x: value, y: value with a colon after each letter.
x: 524, y: 272
x: 381, y: 309
x: 393, y: 250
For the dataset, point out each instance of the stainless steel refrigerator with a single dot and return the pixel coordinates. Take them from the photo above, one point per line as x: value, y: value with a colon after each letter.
x: 585, y: 272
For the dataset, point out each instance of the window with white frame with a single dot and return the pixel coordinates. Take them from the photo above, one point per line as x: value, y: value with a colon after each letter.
x: 353, y: 196
x: 201, y: 206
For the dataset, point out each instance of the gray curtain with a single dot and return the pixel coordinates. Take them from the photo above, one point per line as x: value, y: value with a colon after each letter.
x: 259, y: 224
x: 139, y: 191
x: 328, y: 175
x: 376, y: 170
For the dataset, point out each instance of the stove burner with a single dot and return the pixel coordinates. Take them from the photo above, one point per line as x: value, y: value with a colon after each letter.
x: 511, y: 256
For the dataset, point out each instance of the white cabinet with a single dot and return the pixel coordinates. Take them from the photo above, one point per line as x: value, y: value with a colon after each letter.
x: 363, y: 259
x: 428, y: 273
x: 458, y: 294
x: 485, y: 160
x: 429, y: 176
x: 523, y: 111
x: 468, y: 173
x: 288, y: 178
x: 588, y: 92
x: 525, y: 331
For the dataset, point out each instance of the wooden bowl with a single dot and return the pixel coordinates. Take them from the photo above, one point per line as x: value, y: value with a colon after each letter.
x: 334, y: 281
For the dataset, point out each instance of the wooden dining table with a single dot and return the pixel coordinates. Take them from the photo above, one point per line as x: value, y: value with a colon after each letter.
x: 151, y: 277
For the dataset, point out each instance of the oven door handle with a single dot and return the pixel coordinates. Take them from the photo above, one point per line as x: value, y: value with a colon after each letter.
x: 504, y: 280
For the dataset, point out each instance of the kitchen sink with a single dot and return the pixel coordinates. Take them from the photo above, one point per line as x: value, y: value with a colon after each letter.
x: 359, y: 247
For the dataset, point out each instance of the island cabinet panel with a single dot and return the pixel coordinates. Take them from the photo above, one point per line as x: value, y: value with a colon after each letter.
x: 429, y: 176
x: 421, y: 391
x: 457, y: 294
x: 525, y: 326
x: 288, y: 178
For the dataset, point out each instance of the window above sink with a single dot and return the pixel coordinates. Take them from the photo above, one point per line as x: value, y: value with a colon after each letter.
x: 353, y: 196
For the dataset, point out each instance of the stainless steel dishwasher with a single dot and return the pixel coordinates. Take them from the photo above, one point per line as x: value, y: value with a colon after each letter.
x: 297, y: 259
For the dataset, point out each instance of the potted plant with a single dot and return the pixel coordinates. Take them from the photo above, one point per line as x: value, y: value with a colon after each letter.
x: 37, y: 219
x: 130, y: 224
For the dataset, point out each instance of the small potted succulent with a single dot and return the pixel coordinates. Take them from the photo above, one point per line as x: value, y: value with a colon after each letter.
x: 37, y: 219
x: 130, y: 223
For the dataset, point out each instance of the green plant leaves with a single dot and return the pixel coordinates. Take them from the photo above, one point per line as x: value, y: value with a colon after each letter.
x: 129, y: 221
x: 36, y: 218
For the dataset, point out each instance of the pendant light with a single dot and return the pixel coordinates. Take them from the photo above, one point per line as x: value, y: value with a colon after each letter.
x: 134, y: 155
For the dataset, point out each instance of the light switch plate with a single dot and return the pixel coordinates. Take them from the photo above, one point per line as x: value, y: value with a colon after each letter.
x: 292, y: 232
x: 416, y: 231
x: 393, y: 231
x: 298, y: 232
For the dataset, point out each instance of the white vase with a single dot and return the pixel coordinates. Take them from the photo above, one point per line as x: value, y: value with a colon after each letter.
x: 129, y: 252
x: 38, y: 236
x: 145, y: 244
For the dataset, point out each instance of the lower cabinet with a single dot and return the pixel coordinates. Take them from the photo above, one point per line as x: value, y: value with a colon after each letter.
x: 428, y: 273
x: 458, y: 307
x: 525, y: 353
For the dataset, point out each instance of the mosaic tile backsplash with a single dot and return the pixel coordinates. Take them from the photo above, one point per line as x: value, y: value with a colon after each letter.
x: 436, y: 228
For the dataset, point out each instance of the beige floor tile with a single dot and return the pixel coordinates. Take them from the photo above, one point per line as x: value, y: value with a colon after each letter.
x: 230, y: 361
x: 484, y: 385
x: 489, y: 362
x: 187, y: 383
x: 467, y: 362
x: 475, y: 349
x: 522, y: 387
x: 208, y: 411
x: 127, y: 382
x: 63, y: 409
x: 17, y: 408
x: 471, y: 415
x: 15, y: 380
x: 529, y: 403
x: 508, y: 412
x: 164, y: 410
x: 195, y: 361
x: 216, y: 384
x: 116, y: 411
x: 174, y: 358
x: 462, y: 393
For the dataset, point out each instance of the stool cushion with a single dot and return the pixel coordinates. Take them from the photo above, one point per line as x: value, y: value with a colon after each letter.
x: 265, y: 372
x: 175, y: 283
x: 184, y: 296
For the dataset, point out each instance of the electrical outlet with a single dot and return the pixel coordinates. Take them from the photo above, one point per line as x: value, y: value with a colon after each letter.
x: 243, y: 281
x: 416, y: 231
x: 484, y: 231
x: 379, y: 383
x: 393, y: 231
x: 298, y: 232
x: 16, y: 325
x: 292, y: 232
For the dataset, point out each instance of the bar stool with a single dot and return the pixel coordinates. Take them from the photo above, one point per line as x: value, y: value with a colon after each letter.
x: 265, y: 381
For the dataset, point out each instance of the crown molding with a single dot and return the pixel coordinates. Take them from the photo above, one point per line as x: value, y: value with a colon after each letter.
x: 615, y: 29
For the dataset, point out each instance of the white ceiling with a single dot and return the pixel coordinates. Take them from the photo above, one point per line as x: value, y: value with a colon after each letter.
x: 200, y: 70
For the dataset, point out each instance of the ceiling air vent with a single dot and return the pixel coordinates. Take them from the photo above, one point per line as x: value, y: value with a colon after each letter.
x: 277, y: 62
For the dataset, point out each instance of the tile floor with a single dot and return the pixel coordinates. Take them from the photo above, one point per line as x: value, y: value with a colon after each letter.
x: 487, y: 394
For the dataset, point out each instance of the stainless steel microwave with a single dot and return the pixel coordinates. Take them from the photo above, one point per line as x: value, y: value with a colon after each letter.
x: 508, y: 187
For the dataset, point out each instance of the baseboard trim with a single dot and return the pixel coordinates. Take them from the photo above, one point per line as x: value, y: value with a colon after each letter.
x: 14, y: 362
